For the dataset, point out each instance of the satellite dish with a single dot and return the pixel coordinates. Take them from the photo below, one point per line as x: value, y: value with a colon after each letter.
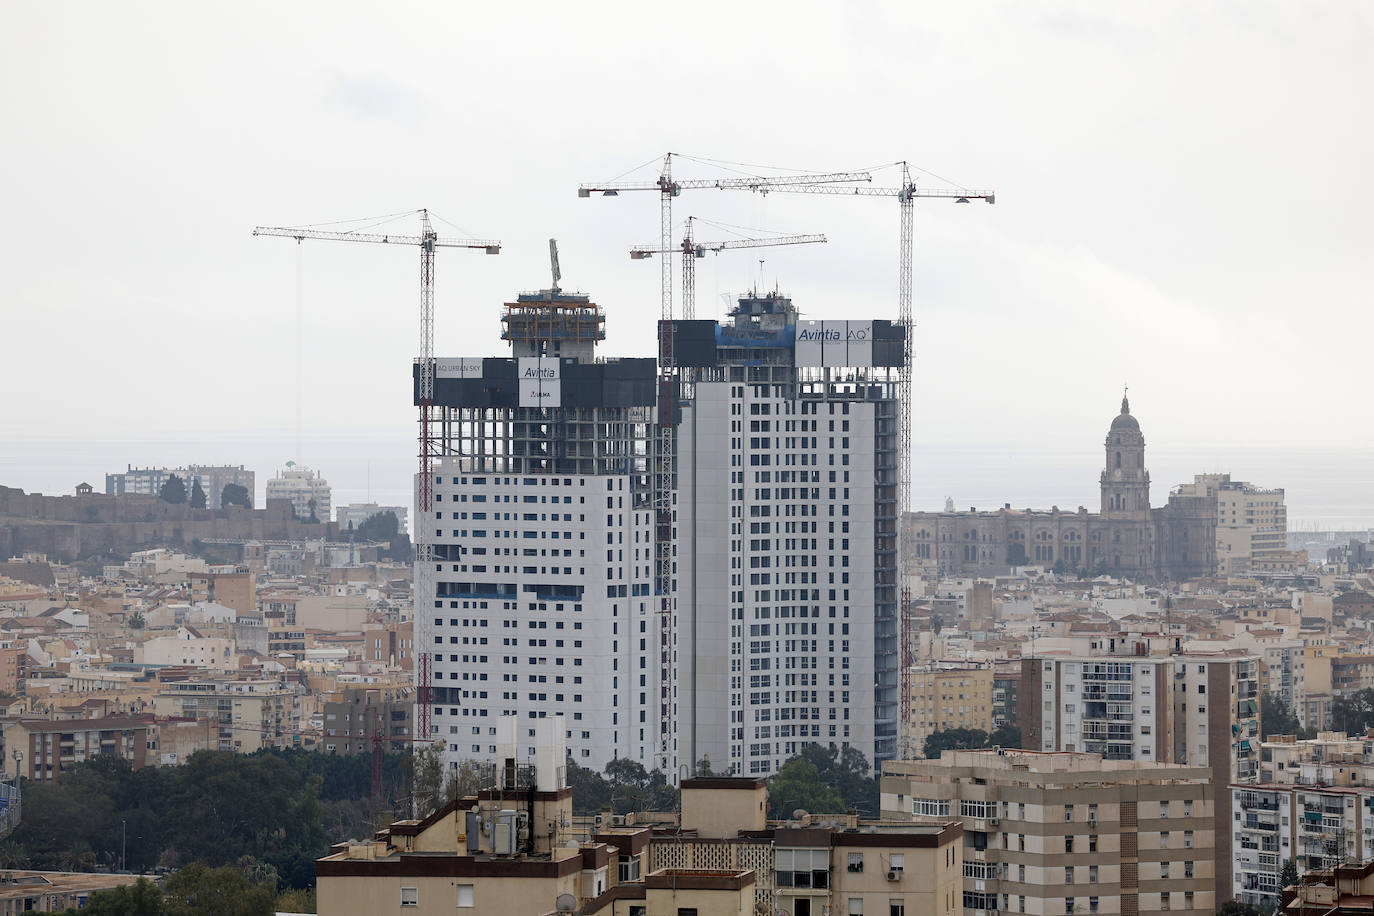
x: 799, y: 814
x: 565, y: 903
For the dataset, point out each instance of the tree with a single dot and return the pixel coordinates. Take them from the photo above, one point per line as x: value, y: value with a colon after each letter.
x: 798, y: 786
x: 142, y: 898
x: 427, y: 778
x: 173, y: 491
x: 312, y: 504
x: 1008, y: 735
x: 1276, y: 717
x: 235, y: 494
x: 591, y: 792
x: 1354, y: 712
x: 197, y: 495
x: 704, y: 766
x: 632, y: 788
x: 1236, y: 908
x: 380, y: 526
x: 1289, y: 875
x: 200, y: 891
x: 297, y: 900
x: 949, y: 739
x: 849, y: 772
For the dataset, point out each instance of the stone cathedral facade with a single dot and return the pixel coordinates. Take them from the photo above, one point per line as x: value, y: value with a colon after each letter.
x: 1127, y: 537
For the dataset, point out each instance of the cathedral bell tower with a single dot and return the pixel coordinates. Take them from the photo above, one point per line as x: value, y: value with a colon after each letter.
x: 1125, y: 482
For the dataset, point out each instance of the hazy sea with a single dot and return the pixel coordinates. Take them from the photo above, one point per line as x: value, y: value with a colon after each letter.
x: 1325, y: 489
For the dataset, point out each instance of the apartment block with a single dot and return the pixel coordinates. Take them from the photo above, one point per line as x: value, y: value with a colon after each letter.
x: 542, y: 597
x: 1064, y: 833
x: 1200, y: 710
x: 251, y: 713
x: 944, y: 698
x: 307, y: 490
x: 45, y: 748
x: 1252, y: 522
x: 212, y: 478
x: 357, y: 513
x: 1331, y: 758
x: 354, y: 716
x: 1315, y: 827
x: 786, y: 535
x: 233, y: 587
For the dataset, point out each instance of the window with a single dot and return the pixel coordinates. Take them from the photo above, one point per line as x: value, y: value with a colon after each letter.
x: 629, y: 868
x: 410, y: 896
x: 896, y: 908
x: 856, y: 861
x: 1068, y: 844
x: 1092, y: 874
x: 686, y: 911
x: 856, y: 906
x: 930, y: 807
x: 897, y: 862
x: 1092, y: 843
x: 465, y: 897
x: 1068, y: 874
x: 1068, y: 904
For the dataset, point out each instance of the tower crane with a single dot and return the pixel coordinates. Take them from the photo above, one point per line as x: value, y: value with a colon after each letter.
x: 668, y: 188
x: 428, y: 241
x: 691, y: 249
x: 906, y: 195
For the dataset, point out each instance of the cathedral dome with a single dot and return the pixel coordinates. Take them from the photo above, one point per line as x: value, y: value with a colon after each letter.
x: 1124, y: 422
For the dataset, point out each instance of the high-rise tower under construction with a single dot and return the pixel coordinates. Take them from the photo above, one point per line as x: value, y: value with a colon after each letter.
x: 542, y: 529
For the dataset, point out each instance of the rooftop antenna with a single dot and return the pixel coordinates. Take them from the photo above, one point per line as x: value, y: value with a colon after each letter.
x: 553, y: 264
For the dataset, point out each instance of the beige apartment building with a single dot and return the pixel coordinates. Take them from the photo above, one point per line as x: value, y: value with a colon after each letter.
x: 252, y: 714
x: 513, y: 849
x: 232, y: 587
x: 1066, y: 833
x: 1252, y: 522
x: 942, y: 698
x: 43, y: 748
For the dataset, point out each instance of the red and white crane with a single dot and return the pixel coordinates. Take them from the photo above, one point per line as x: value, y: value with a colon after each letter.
x: 428, y: 241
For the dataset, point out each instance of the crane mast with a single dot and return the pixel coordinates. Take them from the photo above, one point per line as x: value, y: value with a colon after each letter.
x: 428, y: 241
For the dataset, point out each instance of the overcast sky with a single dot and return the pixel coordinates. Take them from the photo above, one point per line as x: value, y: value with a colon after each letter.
x: 1183, y: 201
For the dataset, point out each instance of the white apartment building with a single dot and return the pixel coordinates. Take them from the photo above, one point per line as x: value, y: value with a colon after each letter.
x: 213, y: 479
x: 541, y: 602
x: 357, y: 513
x: 302, y: 485
x: 785, y: 532
x: 1315, y: 827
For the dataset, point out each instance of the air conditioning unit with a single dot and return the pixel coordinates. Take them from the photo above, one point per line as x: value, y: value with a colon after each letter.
x: 893, y: 874
x: 596, y: 821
